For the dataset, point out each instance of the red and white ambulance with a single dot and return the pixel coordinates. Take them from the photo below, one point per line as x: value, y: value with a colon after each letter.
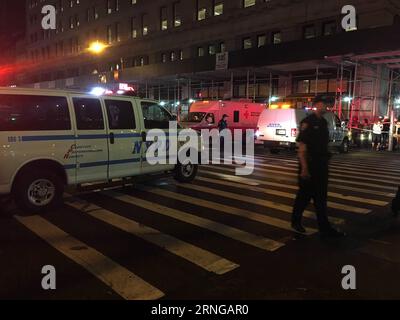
x: 243, y: 114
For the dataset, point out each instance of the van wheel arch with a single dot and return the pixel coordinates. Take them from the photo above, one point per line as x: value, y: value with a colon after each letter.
x: 48, y: 165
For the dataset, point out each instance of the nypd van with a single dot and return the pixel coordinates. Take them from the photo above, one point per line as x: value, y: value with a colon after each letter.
x: 52, y: 139
x: 278, y: 129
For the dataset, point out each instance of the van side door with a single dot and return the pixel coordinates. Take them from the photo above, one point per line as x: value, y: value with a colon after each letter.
x: 124, y: 138
x: 155, y: 116
x: 91, y: 147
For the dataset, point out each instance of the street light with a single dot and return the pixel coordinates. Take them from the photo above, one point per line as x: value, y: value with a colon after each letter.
x: 97, y: 47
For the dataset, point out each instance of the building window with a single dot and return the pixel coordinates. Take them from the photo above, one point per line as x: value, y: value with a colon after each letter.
x: 212, y: 50
x: 309, y: 32
x: 163, y: 18
x: 247, y: 43
x: 218, y: 8
x: 200, y: 52
x: 248, y: 3
x: 201, y: 14
x: 109, y: 35
x: 329, y: 28
x: 276, y: 37
x: 145, y: 28
x: 133, y: 28
x: 261, y: 40
x: 177, y: 15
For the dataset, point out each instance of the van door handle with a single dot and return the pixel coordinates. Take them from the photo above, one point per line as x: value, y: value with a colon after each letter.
x: 144, y: 136
x: 112, y: 138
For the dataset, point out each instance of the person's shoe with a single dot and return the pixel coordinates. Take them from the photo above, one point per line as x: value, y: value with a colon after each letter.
x: 298, y: 227
x: 332, y: 234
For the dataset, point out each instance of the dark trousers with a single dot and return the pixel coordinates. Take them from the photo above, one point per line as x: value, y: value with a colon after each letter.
x: 316, y: 188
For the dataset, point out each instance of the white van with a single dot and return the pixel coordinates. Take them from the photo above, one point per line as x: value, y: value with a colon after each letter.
x: 51, y: 139
x: 278, y: 129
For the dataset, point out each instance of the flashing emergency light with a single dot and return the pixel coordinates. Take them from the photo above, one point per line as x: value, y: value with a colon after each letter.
x: 347, y: 99
x: 273, y: 99
x: 98, y: 91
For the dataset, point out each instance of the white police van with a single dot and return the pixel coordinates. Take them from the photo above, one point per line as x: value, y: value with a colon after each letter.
x: 278, y: 129
x: 52, y: 139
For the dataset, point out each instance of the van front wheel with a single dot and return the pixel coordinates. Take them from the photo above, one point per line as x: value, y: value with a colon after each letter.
x: 36, y: 192
x: 185, y: 172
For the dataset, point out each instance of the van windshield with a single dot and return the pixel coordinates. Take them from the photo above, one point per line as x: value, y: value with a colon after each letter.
x: 196, y: 116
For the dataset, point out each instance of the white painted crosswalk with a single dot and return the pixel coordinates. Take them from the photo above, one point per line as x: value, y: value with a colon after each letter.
x: 253, y: 212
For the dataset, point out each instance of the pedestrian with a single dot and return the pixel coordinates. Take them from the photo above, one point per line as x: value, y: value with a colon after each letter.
x: 314, y: 156
x: 223, y: 123
x: 385, y: 132
x: 377, y: 135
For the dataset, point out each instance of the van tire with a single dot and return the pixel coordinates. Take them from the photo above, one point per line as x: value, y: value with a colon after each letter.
x: 184, y: 174
x: 344, y: 147
x: 47, y: 182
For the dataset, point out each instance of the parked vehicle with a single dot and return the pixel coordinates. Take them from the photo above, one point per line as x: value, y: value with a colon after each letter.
x: 278, y: 129
x: 51, y: 139
x: 242, y: 114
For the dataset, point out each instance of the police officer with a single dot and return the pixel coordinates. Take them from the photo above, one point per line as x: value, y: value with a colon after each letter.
x: 313, y: 176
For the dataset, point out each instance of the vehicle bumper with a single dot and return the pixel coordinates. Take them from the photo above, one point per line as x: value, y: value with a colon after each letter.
x: 280, y: 144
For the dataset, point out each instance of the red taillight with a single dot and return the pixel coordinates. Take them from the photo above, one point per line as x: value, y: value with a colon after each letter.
x: 294, y: 132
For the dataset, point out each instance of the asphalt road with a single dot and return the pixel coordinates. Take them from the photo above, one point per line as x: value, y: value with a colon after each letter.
x: 221, y: 237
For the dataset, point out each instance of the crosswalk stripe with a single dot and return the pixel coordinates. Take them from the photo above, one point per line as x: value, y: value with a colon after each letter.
x: 230, y: 232
x: 336, y: 186
x: 334, y: 179
x: 343, y: 167
x: 379, y: 165
x: 278, y: 193
x: 261, y: 202
x: 202, y: 258
x: 278, y: 223
x: 255, y: 182
x: 122, y: 281
x: 348, y: 172
x: 394, y: 182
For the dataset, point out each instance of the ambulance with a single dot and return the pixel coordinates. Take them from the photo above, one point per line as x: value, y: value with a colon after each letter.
x: 51, y: 139
x: 243, y: 114
x: 278, y: 128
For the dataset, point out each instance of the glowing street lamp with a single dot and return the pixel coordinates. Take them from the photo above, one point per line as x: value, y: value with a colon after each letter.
x: 97, y: 47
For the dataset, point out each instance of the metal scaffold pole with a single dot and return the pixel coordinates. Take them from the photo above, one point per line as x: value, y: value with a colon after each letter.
x: 391, y: 111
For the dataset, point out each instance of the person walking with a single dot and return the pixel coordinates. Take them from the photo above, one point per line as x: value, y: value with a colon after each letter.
x: 222, y: 125
x: 314, y: 156
x: 377, y: 135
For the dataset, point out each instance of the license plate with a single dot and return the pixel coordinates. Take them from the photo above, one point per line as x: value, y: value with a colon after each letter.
x: 281, y: 132
x: 284, y: 143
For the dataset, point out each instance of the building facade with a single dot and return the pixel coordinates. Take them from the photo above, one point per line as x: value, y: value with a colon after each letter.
x: 168, y: 49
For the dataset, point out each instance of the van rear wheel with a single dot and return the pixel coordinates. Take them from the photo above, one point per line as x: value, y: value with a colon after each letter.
x: 344, y: 148
x: 185, y: 172
x: 36, y: 192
